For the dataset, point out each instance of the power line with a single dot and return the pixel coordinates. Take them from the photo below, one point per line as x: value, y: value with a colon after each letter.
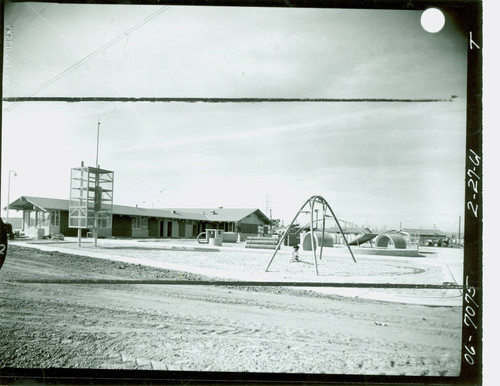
x: 17, y: 33
x: 98, y: 51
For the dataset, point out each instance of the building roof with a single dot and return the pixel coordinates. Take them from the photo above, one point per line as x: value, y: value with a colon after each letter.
x: 425, y: 232
x: 41, y: 203
x: 137, y: 211
x: 202, y: 214
x: 221, y: 214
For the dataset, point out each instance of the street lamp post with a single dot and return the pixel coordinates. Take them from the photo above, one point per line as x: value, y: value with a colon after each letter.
x: 8, y: 193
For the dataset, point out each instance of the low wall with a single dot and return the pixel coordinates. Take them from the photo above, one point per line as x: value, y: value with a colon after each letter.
x: 244, y: 236
x: 101, y: 232
x: 37, y: 232
x: 229, y: 237
x: 137, y: 232
x: 386, y: 252
x: 261, y: 242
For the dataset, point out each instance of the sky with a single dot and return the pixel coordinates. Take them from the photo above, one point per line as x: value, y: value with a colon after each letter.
x: 378, y: 164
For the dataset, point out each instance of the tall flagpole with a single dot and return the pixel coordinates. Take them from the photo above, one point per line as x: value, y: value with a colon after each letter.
x: 97, y: 150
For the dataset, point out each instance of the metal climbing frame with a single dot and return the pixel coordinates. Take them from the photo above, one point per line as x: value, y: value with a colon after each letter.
x: 91, y: 198
x: 312, y: 201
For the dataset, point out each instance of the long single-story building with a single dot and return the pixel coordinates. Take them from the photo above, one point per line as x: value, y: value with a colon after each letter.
x: 423, y: 235
x: 51, y: 216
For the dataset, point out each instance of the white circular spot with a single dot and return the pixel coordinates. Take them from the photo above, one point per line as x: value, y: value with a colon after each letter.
x: 432, y: 20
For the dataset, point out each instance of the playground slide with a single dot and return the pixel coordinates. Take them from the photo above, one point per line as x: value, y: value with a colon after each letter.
x: 363, y: 238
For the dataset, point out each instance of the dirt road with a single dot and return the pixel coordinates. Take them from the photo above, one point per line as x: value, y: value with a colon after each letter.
x: 208, y: 328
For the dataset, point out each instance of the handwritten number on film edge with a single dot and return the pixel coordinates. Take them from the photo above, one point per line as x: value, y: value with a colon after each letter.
x: 468, y: 319
x: 470, y: 291
x: 473, y: 182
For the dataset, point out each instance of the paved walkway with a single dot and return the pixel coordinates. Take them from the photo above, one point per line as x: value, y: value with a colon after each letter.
x: 451, y: 297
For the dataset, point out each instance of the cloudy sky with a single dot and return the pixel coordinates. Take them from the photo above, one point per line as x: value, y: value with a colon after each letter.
x: 377, y: 164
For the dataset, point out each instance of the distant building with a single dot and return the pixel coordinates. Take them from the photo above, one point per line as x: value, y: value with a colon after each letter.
x: 423, y: 235
x: 52, y: 215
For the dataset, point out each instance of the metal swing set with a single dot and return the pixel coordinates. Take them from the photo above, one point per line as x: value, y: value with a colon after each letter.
x: 311, y: 202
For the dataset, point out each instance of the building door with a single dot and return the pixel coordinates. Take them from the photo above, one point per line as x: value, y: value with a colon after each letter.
x: 162, y: 228
x: 122, y: 226
x: 169, y: 229
x: 153, y: 227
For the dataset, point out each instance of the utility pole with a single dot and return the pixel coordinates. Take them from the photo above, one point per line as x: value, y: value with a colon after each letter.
x: 8, y: 194
x: 459, y: 225
x: 97, y: 150
x: 267, y: 204
x: 268, y: 210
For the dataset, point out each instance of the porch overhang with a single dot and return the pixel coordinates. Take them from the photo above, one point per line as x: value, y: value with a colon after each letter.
x: 23, y: 203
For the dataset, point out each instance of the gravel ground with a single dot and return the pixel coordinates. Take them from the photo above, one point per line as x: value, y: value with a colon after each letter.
x: 209, y: 328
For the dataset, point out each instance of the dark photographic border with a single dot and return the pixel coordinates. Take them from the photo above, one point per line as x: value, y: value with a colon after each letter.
x: 468, y: 15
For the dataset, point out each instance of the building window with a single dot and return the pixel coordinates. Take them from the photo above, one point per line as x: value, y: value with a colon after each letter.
x: 139, y: 222
x: 26, y: 219
x: 32, y: 218
x: 42, y: 219
x: 55, y: 218
x: 46, y: 219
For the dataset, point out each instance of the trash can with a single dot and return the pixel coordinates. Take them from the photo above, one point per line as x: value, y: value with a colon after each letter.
x: 40, y: 233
